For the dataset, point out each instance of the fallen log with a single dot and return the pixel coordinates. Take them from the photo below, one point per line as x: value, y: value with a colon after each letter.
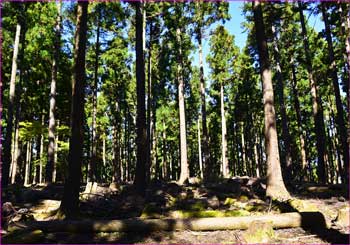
x: 285, y: 220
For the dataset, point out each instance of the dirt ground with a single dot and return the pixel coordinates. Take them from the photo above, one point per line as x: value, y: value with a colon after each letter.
x: 244, y: 197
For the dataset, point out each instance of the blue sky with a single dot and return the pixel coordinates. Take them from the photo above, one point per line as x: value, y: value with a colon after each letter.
x: 235, y: 28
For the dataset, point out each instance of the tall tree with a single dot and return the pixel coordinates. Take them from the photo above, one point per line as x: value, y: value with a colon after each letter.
x: 52, y: 144
x: 338, y: 102
x: 316, y: 103
x: 141, y: 130
x: 9, y: 127
x: 70, y: 201
x: 275, y: 185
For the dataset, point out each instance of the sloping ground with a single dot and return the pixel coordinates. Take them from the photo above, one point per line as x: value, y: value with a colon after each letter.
x: 235, y: 197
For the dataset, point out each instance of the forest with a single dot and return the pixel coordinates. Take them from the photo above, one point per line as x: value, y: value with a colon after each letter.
x: 149, y: 122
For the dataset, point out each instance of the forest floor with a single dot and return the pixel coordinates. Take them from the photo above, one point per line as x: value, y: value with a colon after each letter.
x: 235, y: 197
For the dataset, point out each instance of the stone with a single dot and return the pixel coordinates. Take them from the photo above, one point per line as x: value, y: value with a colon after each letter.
x: 259, y: 232
x: 343, y: 218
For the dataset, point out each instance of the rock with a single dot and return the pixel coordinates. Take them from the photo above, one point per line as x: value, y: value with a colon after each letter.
x: 213, y: 202
x: 343, y: 218
x: 114, y: 187
x: 259, y: 232
x: 194, y: 181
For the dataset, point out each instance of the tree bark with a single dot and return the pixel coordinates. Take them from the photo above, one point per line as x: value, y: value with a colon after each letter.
x: 347, y: 44
x: 225, y: 168
x: 316, y: 106
x: 8, y: 138
x: 285, y: 131
x: 70, y: 201
x: 275, y: 185
x: 200, y: 150
x: 52, y: 129
x: 93, y: 165
x: 299, y: 120
x: 141, y: 130
x: 149, y: 107
x: 206, y: 156
x: 184, y: 174
x: 28, y: 162
x: 340, y: 112
x: 15, y: 153
x: 285, y: 220
x: 42, y: 151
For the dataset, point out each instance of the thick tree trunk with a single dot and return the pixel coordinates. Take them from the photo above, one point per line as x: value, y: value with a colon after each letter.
x: 141, y: 130
x: 340, y: 112
x: 149, y: 107
x: 70, y: 202
x: 285, y: 131
x: 206, y: 157
x: 285, y: 220
x: 52, y: 144
x: 316, y: 106
x: 8, y: 138
x: 184, y: 174
x: 275, y: 185
x: 225, y: 168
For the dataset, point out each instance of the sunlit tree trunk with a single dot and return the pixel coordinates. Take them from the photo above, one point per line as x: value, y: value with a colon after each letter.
x: 316, y: 106
x: 225, y: 169
x: 70, y: 201
x: 184, y: 174
x: 28, y: 163
x: 10, y: 107
x: 275, y: 185
x: 54, y: 173
x: 52, y: 144
x: 333, y: 70
x: 149, y: 106
x: 141, y: 130
x: 200, y: 149
x: 280, y: 89
x: 347, y: 44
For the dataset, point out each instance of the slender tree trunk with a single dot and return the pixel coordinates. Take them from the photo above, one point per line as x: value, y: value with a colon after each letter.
x: 27, y: 164
x: 200, y: 150
x: 285, y: 131
x: 15, y: 153
x: 164, y: 151
x: 275, y: 185
x: 316, y: 106
x: 149, y: 106
x: 184, y: 174
x: 225, y: 168
x: 52, y: 144
x: 141, y: 131
x: 299, y: 121
x: 54, y: 173
x: 347, y: 44
x: 243, y: 150
x: 257, y: 164
x: 8, y: 138
x: 333, y: 69
x: 41, y: 152
x: 70, y: 202
x: 206, y: 156
x: 93, y: 165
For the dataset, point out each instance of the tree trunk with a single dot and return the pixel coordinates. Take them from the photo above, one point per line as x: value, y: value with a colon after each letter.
x: 8, y: 138
x: 340, y: 112
x: 275, y: 185
x: 299, y: 121
x: 200, y: 150
x: 347, y: 44
x: 316, y: 106
x: 285, y: 131
x: 70, y: 202
x: 141, y: 131
x: 27, y: 165
x: 149, y: 106
x: 52, y: 144
x: 15, y: 153
x: 93, y: 165
x: 164, y: 151
x: 42, y: 151
x: 285, y: 220
x: 243, y: 150
x: 225, y: 168
x: 206, y: 156
x: 184, y: 174
x: 54, y: 173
